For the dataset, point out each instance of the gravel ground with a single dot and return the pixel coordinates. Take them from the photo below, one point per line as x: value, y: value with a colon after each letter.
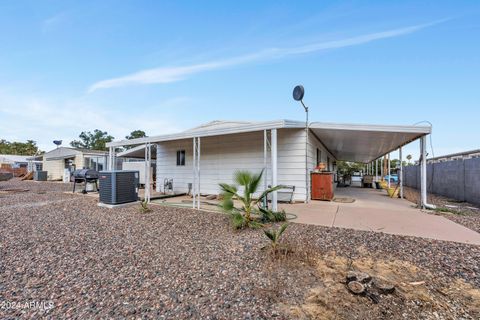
x: 173, y: 263
x: 463, y: 213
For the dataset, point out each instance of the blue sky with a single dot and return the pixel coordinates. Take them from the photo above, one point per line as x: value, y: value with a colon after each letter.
x: 69, y: 66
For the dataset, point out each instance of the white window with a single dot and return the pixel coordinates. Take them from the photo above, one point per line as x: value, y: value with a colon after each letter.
x: 180, y: 157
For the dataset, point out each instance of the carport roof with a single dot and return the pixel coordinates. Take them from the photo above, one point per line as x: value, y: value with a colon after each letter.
x: 349, y: 142
x: 364, y: 143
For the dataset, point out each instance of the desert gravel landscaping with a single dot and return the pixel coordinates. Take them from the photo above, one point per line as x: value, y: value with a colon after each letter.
x: 83, y: 261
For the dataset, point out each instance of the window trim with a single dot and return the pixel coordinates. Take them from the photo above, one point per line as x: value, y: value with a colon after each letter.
x: 181, y: 163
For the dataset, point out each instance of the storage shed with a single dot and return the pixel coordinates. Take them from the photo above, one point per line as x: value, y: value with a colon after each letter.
x: 57, y: 160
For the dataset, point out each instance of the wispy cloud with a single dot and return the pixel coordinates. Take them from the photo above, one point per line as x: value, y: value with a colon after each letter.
x: 54, y: 21
x: 178, y: 73
x: 39, y: 112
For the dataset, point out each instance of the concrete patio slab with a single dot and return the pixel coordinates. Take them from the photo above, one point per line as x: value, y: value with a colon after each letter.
x: 373, y: 210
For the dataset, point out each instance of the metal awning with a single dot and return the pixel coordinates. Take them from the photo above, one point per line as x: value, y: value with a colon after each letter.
x: 216, y: 128
x: 364, y: 143
x: 349, y: 142
x: 138, y: 152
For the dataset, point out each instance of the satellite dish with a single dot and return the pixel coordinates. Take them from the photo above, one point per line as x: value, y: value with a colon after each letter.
x: 298, y: 93
x: 57, y: 142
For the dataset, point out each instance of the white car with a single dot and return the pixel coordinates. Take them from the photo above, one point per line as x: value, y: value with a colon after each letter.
x: 356, y: 179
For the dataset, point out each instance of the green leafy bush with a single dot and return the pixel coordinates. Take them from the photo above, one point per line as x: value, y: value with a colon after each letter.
x: 275, y: 235
x: 272, y: 216
x: 242, y: 217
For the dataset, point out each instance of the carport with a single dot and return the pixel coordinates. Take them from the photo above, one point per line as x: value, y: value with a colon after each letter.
x: 367, y: 143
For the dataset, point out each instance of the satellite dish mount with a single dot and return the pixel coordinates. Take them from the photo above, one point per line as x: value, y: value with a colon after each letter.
x: 58, y: 143
x: 298, y: 93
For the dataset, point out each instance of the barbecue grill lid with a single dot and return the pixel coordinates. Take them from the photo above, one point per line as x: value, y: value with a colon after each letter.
x: 85, y: 173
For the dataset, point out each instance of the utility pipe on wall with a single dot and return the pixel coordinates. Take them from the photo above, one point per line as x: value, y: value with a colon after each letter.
x: 307, y: 178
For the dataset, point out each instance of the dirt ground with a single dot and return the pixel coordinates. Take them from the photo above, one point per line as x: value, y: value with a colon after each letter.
x: 418, y: 293
x: 62, y: 256
x: 463, y: 213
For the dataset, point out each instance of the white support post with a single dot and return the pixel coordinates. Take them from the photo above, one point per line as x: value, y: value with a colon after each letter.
x: 194, y: 173
x: 423, y: 171
x: 376, y: 169
x: 307, y: 178
x: 274, y: 167
x: 400, y: 178
x: 110, y: 158
x: 381, y: 168
x: 265, y: 181
x: 147, y: 173
x: 114, y: 159
x: 198, y: 171
x: 157, y: 156
x: 389, y: 170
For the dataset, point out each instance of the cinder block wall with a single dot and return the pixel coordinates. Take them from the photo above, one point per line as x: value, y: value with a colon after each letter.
x: 457, y: 179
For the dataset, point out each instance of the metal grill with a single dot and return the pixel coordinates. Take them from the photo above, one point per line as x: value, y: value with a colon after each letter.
x: 85, y: 176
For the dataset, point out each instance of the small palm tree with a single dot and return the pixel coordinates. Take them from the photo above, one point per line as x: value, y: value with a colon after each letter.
x: 275, y: 235
x: 242, y: 217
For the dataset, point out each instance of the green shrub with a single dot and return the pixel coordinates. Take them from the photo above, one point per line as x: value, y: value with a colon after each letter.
x: 274, y: 235
x: 242, y: 217
x: 144, y: 207
x: 272, y: 216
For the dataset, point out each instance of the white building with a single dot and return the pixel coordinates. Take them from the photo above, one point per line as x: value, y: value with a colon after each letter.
x: 14, y: 160
x: 456, y: 156
x: 204, y: 156
x: 57, y: 160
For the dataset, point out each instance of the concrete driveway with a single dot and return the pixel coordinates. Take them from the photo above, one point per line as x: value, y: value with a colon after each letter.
x: 373, y: 210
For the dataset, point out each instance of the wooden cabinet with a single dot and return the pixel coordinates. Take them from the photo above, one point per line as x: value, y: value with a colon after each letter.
x: 321, y: 186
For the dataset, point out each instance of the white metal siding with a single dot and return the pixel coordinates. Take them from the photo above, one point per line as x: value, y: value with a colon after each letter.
x: 315, y: 143
x: 221, y: 156
x: 54, y: 169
